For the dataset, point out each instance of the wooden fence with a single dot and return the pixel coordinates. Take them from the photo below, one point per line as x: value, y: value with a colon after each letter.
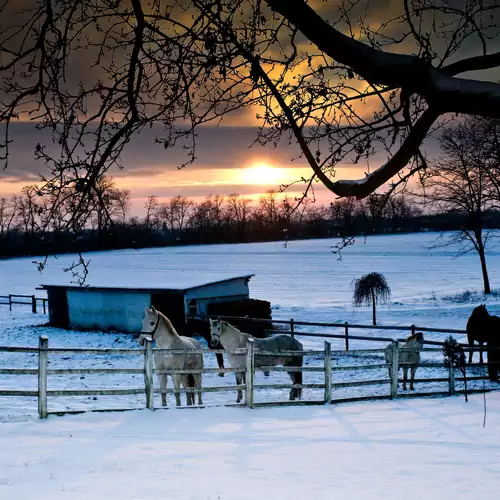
x: 329, y: 386
x: 345, y: 326
x: 9, y: 300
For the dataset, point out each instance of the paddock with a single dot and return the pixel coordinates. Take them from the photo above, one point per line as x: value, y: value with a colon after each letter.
x: 107, y: 371
x: 74, y: 380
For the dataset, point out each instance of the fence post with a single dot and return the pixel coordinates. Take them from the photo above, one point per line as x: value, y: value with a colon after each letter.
x: 10, y: 302
x: 394, y: 369
x: 250, y: 373
x: 43, y: 345
x: 328, y: 373
x: 43, y: 303
x: 292, y: 328
x: 451, y: 379
x: 346, y: 328
x: 33, y: 304
x: 148, y: 373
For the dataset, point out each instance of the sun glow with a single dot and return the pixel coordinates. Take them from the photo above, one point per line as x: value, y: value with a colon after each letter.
x: 262, y: 173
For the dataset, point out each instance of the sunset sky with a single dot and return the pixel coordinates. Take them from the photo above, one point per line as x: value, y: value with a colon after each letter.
x: 224, y: 164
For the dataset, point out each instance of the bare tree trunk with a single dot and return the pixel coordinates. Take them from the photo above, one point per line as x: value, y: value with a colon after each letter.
x: 478, y: 235
x: 484, y: 269
x: 373, y: 305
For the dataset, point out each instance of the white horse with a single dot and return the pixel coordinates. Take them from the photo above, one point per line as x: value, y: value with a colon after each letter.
x: 159, y: 327
x: 408, y: 357
x: 233, y: 339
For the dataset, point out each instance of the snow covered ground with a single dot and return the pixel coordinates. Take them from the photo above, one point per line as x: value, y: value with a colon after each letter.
x: 432, y: 449
x: 430, y: 287
x: 427, y: 448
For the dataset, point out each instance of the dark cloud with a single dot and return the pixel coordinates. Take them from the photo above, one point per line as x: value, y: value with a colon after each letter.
x: 218, y: 150
x: 216, y: 147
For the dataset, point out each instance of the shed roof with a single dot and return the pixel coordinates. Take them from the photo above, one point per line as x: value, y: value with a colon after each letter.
x: 188, y: 285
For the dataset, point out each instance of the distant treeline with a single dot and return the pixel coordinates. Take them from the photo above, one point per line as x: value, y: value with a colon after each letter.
x: 217, y: 219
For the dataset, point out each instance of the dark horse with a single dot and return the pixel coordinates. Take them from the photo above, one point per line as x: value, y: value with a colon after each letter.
x: 483, y: 327
x: 478, y: 329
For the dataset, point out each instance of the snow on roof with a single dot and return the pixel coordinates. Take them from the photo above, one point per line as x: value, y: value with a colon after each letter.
x: 177, y: 283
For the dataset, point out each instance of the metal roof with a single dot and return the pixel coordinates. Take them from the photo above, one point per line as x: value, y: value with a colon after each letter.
x: 133, y: 288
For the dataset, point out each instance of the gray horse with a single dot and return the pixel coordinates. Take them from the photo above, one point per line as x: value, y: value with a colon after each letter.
x: 232, y: 339
x: 408, y: 357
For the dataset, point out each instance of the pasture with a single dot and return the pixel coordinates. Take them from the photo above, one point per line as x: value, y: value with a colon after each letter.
x: 304, y: 281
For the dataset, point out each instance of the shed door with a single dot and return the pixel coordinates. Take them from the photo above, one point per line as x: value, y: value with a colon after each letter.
x: 172, y: 306
x: 58, y: 307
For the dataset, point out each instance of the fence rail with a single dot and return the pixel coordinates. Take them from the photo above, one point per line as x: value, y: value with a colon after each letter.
x: 329, y: 386
x: 345, y: 326
x: 12, y: 299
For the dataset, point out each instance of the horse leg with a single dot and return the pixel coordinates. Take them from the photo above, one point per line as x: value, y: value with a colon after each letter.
x: 413, y: 369
x: 296, y: 378
x: 405, y: 376
x: 177, y: 385
x: 239, y: 381
x: 187, y: 383
x: 481, y: 353
x: 220, y: 362
x: 471, y: 346
x: 162, y: 379
x: 197, y: 383
x: 293, y: 391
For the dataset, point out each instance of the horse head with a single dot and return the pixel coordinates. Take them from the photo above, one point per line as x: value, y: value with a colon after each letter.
x: 415, y: 339
x: 149, y: 324
x: 419, y: 337
x: 215, y: 330
x: 480, y: 311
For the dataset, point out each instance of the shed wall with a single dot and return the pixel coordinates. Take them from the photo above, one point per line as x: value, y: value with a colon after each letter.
x: 235, y: 289
x: 107, y: 310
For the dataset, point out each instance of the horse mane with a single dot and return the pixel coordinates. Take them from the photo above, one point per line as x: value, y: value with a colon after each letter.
x: 417, y: 336
x: 167, y: 323
x: 225, y: 323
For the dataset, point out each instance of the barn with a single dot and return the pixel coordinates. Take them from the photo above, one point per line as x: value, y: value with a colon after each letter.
x: 121, y: 309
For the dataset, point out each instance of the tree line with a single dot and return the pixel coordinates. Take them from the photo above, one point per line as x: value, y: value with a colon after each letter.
x: 217, y: 219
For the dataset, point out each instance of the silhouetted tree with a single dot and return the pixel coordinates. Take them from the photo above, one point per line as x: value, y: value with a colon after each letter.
x: 371, y: 289
x: 464, y: 181
x: 454, y: 355
x: 320, y: 74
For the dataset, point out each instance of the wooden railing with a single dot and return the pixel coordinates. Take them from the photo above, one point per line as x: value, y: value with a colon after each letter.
x: 345, y: 326
x: 9, y: 300
x: 329, y: 386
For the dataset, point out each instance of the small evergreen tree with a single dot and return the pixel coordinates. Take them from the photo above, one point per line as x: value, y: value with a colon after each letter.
x: 370, y: 289
x: 454, y: 355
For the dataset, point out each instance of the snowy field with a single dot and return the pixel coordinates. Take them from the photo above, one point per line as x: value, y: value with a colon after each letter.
x: 432, y: 449
x: 430, y: 288
x: 427, y: 448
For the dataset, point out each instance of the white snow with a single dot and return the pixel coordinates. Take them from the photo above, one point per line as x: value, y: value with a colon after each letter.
x: 433, y: 449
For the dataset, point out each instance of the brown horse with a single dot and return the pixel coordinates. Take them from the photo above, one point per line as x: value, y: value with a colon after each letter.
x: 478, y: 330
x: 483, y: 327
